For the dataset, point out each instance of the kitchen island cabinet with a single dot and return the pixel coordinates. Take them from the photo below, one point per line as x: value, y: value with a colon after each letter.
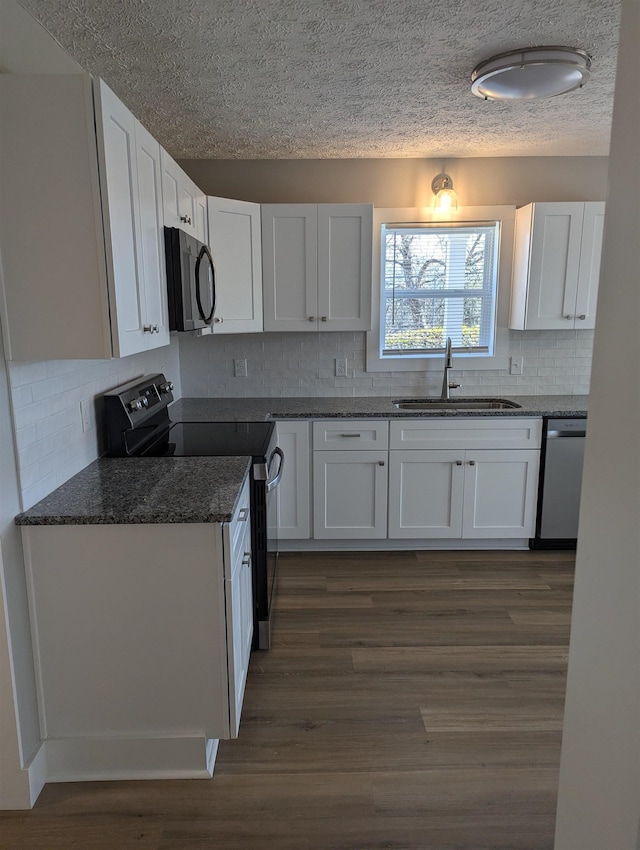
x: 81, y: 222
x: 142, y: 629
x: 316, y: 262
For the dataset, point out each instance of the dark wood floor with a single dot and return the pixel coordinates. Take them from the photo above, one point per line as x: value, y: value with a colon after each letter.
x: 410, y: 701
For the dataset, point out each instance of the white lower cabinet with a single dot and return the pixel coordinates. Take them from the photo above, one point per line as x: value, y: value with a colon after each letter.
x: 350, y: 479
x: 142, y: 636
x: 294, y: 492
x: 463, y: 494
x: 463, y: 478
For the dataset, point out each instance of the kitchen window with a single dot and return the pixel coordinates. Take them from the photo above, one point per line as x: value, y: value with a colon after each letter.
x: 438, y: 279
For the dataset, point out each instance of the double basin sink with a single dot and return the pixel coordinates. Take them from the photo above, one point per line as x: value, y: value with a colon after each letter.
x: 454, y: 404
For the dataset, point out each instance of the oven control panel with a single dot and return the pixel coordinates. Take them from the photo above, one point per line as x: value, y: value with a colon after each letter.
x: 137, y: 403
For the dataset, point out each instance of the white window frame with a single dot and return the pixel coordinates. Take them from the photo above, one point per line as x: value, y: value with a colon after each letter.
x: 505, y: 215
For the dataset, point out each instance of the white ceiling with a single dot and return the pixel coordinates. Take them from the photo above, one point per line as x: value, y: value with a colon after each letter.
x: 299, y: 79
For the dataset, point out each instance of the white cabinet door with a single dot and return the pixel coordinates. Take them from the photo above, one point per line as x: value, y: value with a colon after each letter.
x: 317, y: 266
x: 344, y: 266
x: 235, y: 242
x: 239, y: 612
x: 129, y: 160
x: 500, y: 494
x: 293, y: 493
x: 290, y: 267
x: 151, y: 257
x: 184, y: 206
x: 426, y: 494
x: 556, y: 265
x: 350, y: 495
x: 590, y: 257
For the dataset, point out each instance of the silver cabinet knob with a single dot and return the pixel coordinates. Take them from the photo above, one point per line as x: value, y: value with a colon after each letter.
x: 380, y: 463
x: 582, y: 317
x: 472, y: 463
x: 312, y: 318
x: 568, y: 316
x: 218, y: 320
x: 458, y: 463
x: 186, y: 219
x: 323, y: 318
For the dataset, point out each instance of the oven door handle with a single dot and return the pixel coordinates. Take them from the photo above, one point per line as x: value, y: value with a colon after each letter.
x: 273, y: 482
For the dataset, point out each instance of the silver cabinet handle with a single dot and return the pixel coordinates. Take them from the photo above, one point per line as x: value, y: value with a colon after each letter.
x: 323, y: 318
x: 582, y: 317
x: 568, y: 316
x: 472, y: 463
x: 247, y: 559
x: 458, y: 463
x: 351, y: 435
x: 186, y: 219
x: 243, y: 514
x: 151, y: 329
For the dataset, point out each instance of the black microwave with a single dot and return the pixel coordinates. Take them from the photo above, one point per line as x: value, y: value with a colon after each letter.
x: 191, y: 281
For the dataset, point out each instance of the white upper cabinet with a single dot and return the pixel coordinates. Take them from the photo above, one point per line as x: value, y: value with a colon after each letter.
x: 317, y: 266
x: 234, y: 239
x: 129, y: 163
x: 556, y: 265
x: 80, y: 222
x: 185, y: 206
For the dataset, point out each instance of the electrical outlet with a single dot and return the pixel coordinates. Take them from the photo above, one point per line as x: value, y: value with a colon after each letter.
x: 341, y: 367
x: 515, y: 365
x: 86, y: 412
x: 240, y: 367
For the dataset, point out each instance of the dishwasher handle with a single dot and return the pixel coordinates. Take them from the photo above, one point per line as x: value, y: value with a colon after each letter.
x: 557, y: 433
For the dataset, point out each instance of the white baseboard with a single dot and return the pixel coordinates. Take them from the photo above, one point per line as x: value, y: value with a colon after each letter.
x: 95, y: 759
x: 419, y: 545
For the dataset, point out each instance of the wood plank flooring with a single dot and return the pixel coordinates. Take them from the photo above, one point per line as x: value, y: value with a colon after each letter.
x: 410, y: 701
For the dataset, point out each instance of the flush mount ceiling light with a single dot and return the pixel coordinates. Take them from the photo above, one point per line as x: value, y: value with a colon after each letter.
x: 531, y: 73
x: 445, y: 198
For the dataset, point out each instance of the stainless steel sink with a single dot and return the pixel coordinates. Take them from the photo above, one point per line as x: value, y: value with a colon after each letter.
x: 454, y: 404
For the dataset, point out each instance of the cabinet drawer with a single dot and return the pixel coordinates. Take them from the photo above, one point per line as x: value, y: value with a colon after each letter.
x: 238, y: 527
x: 349, y: 434
x: 482, y: 433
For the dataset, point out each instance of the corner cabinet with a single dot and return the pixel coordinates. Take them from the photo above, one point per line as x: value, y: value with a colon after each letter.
x: 556, y: 265
x: 235, y: 242
x: 80, y: 224
x: 142, y: 635
x: 317, y: 266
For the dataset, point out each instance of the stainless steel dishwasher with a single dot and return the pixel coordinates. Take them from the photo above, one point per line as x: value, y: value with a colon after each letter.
x: 560, y: 483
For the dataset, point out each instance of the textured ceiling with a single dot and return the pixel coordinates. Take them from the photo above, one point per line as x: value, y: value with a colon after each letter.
x: 298, y: 79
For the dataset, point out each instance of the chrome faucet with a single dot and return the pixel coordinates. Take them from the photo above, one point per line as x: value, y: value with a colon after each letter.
x: 448, y: 364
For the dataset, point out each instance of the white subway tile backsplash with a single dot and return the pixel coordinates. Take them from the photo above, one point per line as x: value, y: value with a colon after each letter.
x: 45, y: 399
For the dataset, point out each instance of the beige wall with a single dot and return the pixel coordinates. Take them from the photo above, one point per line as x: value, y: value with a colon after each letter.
x: 403, y: 182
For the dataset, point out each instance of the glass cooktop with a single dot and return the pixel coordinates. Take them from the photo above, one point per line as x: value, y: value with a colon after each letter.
x: 208, y: 439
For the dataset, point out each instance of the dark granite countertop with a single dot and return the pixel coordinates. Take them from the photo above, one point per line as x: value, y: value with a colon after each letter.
x: 258, y: 409
x: 206, y: 489
x: 144, y: 490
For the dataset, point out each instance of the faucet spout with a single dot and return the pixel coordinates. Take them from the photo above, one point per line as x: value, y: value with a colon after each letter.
x: 448, y: 364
